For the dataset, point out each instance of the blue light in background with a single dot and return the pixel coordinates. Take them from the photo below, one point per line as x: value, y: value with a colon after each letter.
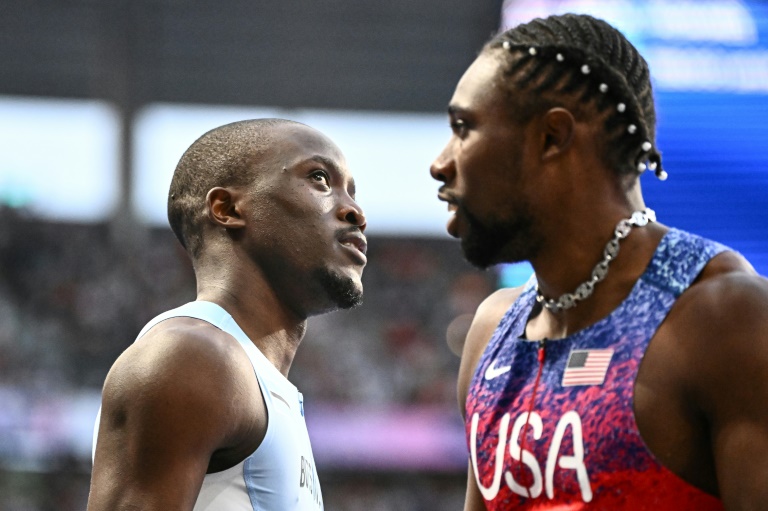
x: 514, y: 275
x: 709, y: 63
x: 715, y: 148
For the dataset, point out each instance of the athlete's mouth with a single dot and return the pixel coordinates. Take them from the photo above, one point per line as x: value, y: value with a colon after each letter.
x: 355, y: 242
x: 355, y: 239
x: 450, y: 199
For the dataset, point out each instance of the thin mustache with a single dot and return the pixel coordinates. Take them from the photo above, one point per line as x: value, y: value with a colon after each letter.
x: 349, y: 230
x: 447, y: 196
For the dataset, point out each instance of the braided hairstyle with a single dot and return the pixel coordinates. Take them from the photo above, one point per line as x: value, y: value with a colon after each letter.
x: 585, y: 64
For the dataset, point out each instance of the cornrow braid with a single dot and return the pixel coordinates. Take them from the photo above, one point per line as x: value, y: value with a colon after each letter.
x: 587, y: 60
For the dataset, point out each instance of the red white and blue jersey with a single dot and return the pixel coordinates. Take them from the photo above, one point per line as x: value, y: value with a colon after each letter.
x: 579, y: 447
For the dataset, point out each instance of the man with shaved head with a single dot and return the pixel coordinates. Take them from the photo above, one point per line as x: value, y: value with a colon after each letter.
x: 198, y: 414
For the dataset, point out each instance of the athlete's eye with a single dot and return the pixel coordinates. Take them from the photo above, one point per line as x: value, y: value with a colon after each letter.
x: 459, y: 127
x: 321, y: 176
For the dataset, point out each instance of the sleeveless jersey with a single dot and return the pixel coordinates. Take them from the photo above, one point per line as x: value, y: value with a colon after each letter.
x: 581, y: 448
x: 280, y: 474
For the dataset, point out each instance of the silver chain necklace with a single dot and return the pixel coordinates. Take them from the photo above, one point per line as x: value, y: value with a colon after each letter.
x: 585, y: 289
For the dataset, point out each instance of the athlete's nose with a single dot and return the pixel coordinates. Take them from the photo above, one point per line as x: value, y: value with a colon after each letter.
x: 352, y: 213
x: 442, y: 169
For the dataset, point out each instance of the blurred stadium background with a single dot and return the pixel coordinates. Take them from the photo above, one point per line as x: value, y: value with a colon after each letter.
x: 99, y: 98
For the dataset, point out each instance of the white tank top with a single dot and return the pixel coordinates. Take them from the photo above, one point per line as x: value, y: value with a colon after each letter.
x: 280, y: 475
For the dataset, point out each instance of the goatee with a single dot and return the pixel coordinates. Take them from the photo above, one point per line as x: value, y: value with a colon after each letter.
x: 498, y: 241
x: 342, y: 291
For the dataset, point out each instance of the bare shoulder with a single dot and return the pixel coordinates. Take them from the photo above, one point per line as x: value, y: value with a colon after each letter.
x: 177, y: 356
x: 720, y: 325
x: 721, y: 322
x: 728, y: 297
x: 176, y: 404
x: 487, y: 318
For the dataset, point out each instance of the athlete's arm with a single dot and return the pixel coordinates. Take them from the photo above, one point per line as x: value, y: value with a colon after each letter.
x: 474, y: 499
x: 486, y: 319
x: 719, y: 329
x: 731, y: 383
x: 171, y: 401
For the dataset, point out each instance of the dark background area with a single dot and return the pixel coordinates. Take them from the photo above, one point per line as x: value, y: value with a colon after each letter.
x: 396, y: 55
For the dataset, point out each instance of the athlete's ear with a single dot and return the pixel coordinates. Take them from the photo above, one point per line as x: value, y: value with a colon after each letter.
x: 223, y: 206
x: 558, y: 126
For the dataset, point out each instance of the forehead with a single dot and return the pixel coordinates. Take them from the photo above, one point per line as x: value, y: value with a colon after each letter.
x: 294, y: 143
x: 481, y: 86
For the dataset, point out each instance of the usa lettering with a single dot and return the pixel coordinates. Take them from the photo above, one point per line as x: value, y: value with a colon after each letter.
x: 570, y: 422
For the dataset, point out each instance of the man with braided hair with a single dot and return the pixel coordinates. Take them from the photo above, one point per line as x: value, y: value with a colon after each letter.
x: 630, y: 371
x: 198, y: 413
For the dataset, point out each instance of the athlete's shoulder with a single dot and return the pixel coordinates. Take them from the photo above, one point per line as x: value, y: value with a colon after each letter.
x: 181, y: 366
x: 721, y: 322
x: 726, y: 280
x: 178, y: 344
x: 489, y: 314
x: 487, y: 318
x: 178, y: 397
x: 723, y: 314
x: 728, y: 293
x: 493, y: 308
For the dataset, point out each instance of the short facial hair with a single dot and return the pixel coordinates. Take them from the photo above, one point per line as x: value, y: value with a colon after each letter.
x: 496, y: 241
x: 342, y: 291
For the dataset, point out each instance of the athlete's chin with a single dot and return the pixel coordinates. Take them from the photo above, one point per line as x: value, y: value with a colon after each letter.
x: 485, y: 246
x: 341, y: 289
x: 350, y: 277
x: 349, y: 294
x: 479, y: 254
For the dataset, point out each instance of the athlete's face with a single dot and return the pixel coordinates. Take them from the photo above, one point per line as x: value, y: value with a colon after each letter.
x: 308, y: 228
x: 483, y: 170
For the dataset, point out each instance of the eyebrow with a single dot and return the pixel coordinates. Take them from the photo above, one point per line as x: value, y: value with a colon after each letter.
x: 453, y: 110
x: 331, y: 164
x: 325, y: 161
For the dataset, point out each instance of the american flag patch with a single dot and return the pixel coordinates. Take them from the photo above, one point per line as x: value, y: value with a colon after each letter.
x: 586, y: 367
